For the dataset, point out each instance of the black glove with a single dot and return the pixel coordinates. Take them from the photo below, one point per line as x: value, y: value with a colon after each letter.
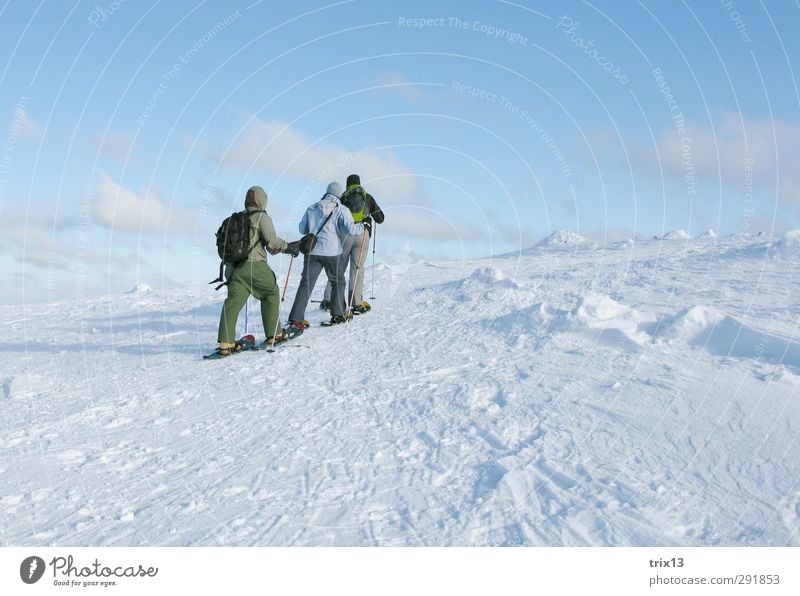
x: 367, y: 225
x: 292, y: 248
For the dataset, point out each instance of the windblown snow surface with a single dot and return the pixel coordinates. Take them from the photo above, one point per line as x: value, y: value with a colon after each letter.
x: 639, y: 394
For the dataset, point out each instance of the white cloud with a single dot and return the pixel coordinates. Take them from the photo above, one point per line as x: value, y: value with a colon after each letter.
x: 28, y: 128
x: 33, y: 238
x: 397, y: 82
x: 36, y: 246
x: 275, y: 147
x: 116, y: 145
x: 122, y: 209
x: 430, y: 225
x: 738, y: 152
x: 40, y: 238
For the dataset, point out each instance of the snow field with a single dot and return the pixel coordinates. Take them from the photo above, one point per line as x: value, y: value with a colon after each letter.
x: 640, y: 394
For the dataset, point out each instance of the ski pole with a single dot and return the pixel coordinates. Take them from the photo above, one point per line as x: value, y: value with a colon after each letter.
x: 278, y: 320
x: 374, y: 242
x: 286, y: 283
x: 364, y: 236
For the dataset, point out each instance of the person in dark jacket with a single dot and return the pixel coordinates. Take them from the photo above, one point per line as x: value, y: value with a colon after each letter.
x: 254, y: 276
x: 354, y: 247
x: 331, y: 222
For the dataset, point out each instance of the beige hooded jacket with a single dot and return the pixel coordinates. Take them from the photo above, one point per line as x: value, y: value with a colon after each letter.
x: 256, y: 200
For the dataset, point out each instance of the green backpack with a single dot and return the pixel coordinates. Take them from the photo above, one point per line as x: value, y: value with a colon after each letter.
x: 355, y: 199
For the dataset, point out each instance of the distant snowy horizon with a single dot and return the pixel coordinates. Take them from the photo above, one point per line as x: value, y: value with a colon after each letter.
x: 559, y: 238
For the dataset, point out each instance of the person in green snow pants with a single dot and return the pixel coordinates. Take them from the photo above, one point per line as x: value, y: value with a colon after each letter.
x: 250, y: 278
x: 254, y: 275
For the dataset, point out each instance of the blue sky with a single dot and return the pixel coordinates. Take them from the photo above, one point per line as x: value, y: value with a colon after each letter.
x: 131, y: 128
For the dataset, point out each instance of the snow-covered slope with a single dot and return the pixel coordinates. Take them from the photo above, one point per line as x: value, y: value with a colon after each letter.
x: 640, y: 395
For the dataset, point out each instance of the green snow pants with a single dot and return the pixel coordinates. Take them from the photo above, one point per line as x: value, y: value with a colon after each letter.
x: 251, y: 277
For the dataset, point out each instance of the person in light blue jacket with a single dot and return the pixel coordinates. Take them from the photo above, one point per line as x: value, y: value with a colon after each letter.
x: 332, y: 223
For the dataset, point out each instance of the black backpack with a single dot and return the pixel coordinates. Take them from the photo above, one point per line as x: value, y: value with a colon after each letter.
x: 355, y: 199
x: 233, y: 241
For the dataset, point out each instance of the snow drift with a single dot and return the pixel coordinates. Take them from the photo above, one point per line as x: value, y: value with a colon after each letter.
x: 789, y: 243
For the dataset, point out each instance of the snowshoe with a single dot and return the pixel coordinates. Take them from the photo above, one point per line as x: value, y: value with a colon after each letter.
x: 336, y: 320
x: 284, y: 336
x: 243, y: 344
x: 362, y: 308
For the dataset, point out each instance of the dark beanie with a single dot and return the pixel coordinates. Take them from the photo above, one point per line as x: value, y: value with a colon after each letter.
x: 353, y: 180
